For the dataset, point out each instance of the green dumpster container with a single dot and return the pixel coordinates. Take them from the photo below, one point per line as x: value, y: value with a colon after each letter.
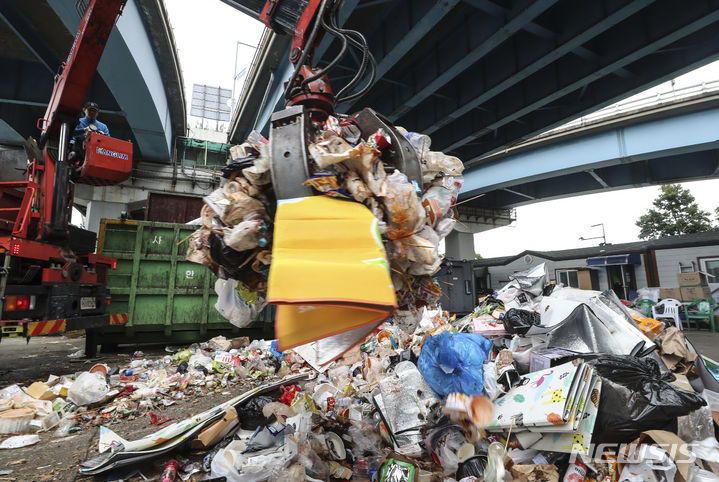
x: 167, y: 299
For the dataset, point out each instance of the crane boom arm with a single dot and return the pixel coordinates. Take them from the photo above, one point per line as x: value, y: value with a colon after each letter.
x: 76, y: 73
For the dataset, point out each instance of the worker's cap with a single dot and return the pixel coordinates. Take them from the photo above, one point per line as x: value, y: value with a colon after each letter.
x: 92, y: 105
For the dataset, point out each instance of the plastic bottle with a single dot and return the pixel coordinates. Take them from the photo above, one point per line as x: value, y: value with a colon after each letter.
x: 63, y: 429
x: 495, y: 466
x: 169, y: 473
x: 420, y: 142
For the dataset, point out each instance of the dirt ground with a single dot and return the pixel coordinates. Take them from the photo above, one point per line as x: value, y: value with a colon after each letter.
x: 57, y: 459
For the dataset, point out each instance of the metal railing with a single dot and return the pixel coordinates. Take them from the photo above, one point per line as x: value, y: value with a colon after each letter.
x: 480, y: 214
x: 249, y: 76
x: 639, y: 103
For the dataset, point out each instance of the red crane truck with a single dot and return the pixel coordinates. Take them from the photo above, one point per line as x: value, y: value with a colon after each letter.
x: 51, y: 280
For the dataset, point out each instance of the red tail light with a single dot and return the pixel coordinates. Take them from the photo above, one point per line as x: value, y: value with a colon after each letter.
x: 16, y: 303
x: 114, y: 264
x: 23, y: 302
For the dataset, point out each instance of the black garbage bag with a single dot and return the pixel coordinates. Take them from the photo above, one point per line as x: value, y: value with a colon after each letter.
x: 636, y: 396
x: 250, y: 412
x: 237, y: 165
x: 548, y: 289
x: 227, y: 257
x: 520, y: 321
x: 472, y: 467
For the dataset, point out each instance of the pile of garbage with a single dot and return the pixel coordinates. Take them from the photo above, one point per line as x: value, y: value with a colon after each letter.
x: 540, y: 383
x: 105, y: 395
x: 414, y: 215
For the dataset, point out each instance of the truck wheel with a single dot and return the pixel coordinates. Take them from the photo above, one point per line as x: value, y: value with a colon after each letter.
x: 90, y: 343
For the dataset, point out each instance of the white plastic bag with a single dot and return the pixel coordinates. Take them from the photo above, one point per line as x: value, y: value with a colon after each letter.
x: 259, y: 173
x: 245, y: 235
x: 234, y: 307
x: 63, y: 430
x: 436, y: 161
x: 230, y: 462
x: 88, y: 388
x: 655, y: 465
x: 700, y: 475
x: 444, y: 227
x: 648, y: 294
x: 707, y: 449
x: 522, y: 354
x: 490, y: 380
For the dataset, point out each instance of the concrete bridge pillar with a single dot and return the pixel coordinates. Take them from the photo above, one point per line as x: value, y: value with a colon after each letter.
x: 97, y: 210
x: 459, y: 245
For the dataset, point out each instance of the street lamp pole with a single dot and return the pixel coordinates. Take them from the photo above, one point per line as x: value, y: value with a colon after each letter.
x: 234, y: 72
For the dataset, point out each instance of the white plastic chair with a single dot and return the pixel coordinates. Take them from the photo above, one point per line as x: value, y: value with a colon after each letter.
x: 671, y: 311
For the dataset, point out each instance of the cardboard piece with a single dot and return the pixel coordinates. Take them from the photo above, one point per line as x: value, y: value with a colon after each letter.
x: 680, y: 456
x: 40, y: 391
x: 242, y: 341
x: 692, y: 293
x: 694, y: 278
x: 670, y: 293
x: 674, y: 351
x: 682, y: 382
x: 219, y: 429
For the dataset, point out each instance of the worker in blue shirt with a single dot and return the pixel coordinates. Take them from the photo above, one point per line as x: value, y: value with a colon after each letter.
x: 86, y: 124
x: 91, y: 111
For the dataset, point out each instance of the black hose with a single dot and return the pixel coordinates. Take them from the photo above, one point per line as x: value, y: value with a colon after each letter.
x: 340, y: 55
x: 361, y: 43
x: 369, y: 84
x: 308, y: 47
x: 347, y: 38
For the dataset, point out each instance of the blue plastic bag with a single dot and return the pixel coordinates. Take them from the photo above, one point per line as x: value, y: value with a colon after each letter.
x: 280, y: 355
x: 453, y: 363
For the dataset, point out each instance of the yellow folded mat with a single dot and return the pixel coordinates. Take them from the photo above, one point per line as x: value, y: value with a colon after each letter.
x: 329, y: 274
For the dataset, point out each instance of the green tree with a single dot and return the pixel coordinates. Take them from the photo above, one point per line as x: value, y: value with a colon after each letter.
x: 675, y: 212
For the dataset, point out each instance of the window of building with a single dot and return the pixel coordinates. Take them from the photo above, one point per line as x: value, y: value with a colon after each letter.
x: 568, y: 277
x: 711, y: 266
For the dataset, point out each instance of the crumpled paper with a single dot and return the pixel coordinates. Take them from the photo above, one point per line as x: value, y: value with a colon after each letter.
x: 674, y: 352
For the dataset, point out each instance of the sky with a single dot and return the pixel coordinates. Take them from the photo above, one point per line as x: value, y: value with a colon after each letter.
x: 206, y: 33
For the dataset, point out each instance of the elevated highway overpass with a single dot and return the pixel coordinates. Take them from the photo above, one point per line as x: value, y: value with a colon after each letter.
x: 483, y: 76
x: 653, y: 140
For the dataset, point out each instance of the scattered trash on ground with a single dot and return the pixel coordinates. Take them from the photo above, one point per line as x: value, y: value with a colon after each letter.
x: 441, y: 402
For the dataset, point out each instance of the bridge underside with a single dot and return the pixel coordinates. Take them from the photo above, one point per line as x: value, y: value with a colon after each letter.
x: 680, y: 146
x: 138, y: 84
x: 482, y: 75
